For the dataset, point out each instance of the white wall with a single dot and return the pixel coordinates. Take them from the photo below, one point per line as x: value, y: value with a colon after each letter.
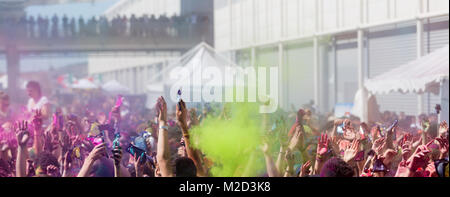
x: 244, y: 22
x: 106, y: 63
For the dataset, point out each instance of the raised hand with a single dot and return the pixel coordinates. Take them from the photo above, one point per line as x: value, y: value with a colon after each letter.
x: 443, y: 129
x: 304, y: 171
x: 351, y: 151
x: 335, y: 141
x: 289, y: 158
x: 425, y: 125
x: 138, y: 165
x: 65, y: 143
x: 97, y: 152
x: 297, y: 138
x: 50, y: 142
x: 22, y: 133
x: 117, y: 155
x: 322, y: 146
x: 378, y: 145
x: 388, y: 156
x: 162, y: 110
x: 443, y: 146
x: 419, y: 158
x: 52, y: 171
x: 181, y: 114
x: 430, y: 170
x: 71, y: 128
x: 37, y: 121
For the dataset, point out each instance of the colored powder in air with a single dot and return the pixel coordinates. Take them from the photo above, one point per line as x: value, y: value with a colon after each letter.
x: 233, y: 145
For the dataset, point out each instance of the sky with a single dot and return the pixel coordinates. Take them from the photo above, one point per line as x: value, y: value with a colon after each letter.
x: 86, y: 9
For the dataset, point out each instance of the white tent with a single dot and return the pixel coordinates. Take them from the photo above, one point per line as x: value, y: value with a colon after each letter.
x: 419, y: 76
x: 84, y: 84
x: 426, y: 74
x: 114, y: 86
x: 188, y: 73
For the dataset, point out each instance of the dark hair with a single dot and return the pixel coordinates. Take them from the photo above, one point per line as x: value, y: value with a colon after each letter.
x: 102, y: 168
x: 336, y: 167
x: 45, y: 159
x: 35, y: 85
x: 185, y: 167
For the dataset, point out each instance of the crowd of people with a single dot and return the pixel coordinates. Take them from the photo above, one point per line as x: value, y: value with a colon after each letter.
x: 109, y: 137
x: 64, y: 27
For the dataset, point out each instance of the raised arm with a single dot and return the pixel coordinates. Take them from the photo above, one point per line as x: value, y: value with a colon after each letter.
x: 270, y: 166
x: 390, y: 135
x: 182, y: 123
x: 280, y: 161
x: 426, y: 128
x: 289, y: 157
x: 163, y: 152
x: 322, y: 149
x: 37, y: 124
x: 22, y: 151
x: 117, y: 155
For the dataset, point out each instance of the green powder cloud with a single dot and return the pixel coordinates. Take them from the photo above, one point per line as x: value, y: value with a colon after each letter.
x: 233, y: 144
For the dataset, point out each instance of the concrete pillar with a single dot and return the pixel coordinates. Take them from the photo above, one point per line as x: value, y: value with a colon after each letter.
x: 316, y: 73
x: 363, y: 91
x: 335, y: 70
x: 281, y: 93
x: 13, y: 71
x: 419, y: 44
x: 363, y: 96
x: 325, y: 85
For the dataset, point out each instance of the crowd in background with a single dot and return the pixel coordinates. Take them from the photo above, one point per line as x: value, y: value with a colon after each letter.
x: 64, y: 27
x: 107, y: 136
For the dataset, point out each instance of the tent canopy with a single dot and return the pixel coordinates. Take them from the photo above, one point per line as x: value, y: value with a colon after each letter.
x: 114, y: 86
x: 419, y: 76
x: 194, y: 62
x: 84, y: 84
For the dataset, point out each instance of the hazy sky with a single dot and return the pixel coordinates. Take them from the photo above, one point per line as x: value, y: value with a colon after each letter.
x: 87, y: 9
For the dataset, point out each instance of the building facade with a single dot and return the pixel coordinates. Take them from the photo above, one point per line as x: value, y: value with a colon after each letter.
x: 326, y: 49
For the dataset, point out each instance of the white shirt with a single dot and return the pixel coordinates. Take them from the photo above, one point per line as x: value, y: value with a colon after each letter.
x: 32, y: 106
